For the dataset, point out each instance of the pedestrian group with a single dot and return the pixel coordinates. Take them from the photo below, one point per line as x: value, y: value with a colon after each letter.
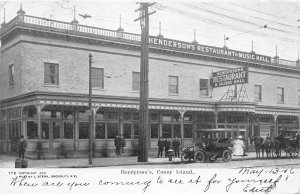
x: 166, y: 144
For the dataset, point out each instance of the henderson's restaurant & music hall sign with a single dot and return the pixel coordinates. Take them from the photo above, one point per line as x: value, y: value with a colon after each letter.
x: 203, y: 49
x: 230, y: 77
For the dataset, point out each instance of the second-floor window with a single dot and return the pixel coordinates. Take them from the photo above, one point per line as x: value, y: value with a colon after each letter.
x: 97, y: 75
x: 173, y: 85
x: 51, y: 74
x: 135, y: 81
x: 299, y: 96
x: 257, y: 93
x: 203, y: 87
x: 280, y: 95
x: 11, y: 73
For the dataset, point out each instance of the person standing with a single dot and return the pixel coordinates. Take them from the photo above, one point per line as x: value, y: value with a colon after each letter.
x: 160, y: 145
x: 118, y: 145
x: 167, y: 144
x: 239, y: 146
x: 22, y: 147
x: 176, y: 145
x: 122, y: 143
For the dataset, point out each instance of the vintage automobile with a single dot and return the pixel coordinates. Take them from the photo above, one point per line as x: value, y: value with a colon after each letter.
x: 208, y: 147
x: 210, y: 150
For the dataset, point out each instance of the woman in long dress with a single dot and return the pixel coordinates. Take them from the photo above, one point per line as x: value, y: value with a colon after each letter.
x: 238, y: 146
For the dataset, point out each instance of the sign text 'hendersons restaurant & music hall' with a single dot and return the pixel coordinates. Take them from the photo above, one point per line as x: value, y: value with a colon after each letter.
x: 230, y: 77
x: 185, y: 46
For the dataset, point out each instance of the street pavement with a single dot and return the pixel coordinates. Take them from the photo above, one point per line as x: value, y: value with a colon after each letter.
x: 9, y: 161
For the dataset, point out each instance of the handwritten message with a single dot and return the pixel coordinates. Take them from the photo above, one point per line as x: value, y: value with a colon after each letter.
x: 242, y: 180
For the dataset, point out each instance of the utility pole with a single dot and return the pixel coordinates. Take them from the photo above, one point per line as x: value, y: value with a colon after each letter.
x: 144, y: 82
x: 90, y: 112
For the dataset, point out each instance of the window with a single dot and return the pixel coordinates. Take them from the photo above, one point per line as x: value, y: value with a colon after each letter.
x: 100, y: 115
x: 112, y: 130
x: 188, y: 131
x: 299, y: 96
x: 113, y: 115
x: 203, y: 87
x: 32, y: 129
x: 167, y: 117
x: 127, y: 130
x: 127, y: 116
x: 68, y: 130
x: 100, y: 130
x: 136, y: 131
x: 136, y: 81
x: 56, y: 130
x: 280, y: 95
x: 177, y: 130
x: 154, y: 130
x: 173, y: 85
x: 257, y: 93
x: 45, y: 130
x: 97, y: 76
x: 11, y: 75
x: 51, y: 73
x: 166, y: 131
x: 2, y: 131
x: 84, y: 130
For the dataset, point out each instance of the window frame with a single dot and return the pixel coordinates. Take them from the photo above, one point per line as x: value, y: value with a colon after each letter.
x: 298, y: 96
x: 259, y: 93
x: 11, y: 73
x: 99, y: 77
x: 206, y: 89
x: 281, y: 96
x: 136, y: 84
x: 55, y: 74
x: 176, y: 86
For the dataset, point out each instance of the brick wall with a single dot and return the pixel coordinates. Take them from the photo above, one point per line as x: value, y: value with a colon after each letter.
x: 118, y: 64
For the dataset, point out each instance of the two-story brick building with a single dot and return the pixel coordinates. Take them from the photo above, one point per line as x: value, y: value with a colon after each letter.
x: 44, y: 79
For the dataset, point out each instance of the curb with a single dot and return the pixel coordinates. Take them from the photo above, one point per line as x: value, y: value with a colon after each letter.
x: 142, y: 163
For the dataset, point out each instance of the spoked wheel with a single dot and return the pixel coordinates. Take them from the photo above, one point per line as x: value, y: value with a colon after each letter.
x: 199, y: 157
x: 226, y: 156
x: 291, y: 152
x: 184, y: 157
x: 276, y: 154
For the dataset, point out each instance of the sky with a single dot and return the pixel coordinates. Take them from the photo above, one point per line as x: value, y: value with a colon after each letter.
x: 266, y: 23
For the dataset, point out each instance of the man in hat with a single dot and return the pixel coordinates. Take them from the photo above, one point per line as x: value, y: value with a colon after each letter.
x: 22, y: 147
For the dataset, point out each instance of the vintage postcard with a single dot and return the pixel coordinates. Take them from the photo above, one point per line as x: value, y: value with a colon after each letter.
x: 149, y: 97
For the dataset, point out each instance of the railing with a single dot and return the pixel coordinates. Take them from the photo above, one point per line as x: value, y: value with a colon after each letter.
x: 286, y: 62
x: 283, y: 62
x: 103, y: 32
x: 47, y: 22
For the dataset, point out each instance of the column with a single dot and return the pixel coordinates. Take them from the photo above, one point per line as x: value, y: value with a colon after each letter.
x: 182, y: 127
x: 216, y: 119
x: 38, y: 111
x: 276, y: 125
x: 6, y: 132
x: 159, y: 124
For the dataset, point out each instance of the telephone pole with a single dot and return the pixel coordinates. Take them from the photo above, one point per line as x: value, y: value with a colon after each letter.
x: 144, y: 82
x: 90, y: 112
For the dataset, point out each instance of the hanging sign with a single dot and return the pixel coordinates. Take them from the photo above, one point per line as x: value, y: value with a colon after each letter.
x: 230, y: 77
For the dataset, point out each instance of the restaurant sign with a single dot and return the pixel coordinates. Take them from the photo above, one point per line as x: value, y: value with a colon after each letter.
x: 203, y: 49
x: 230, y: 77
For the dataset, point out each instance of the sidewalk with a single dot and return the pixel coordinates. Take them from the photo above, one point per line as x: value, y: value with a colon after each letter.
x: 9, y: 161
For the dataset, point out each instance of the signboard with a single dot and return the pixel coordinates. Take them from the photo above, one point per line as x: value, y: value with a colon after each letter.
x: 230, y: 77
x: 203, y: 49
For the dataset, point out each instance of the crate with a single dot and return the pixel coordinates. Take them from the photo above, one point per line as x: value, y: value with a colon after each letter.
x: 19, y: 163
